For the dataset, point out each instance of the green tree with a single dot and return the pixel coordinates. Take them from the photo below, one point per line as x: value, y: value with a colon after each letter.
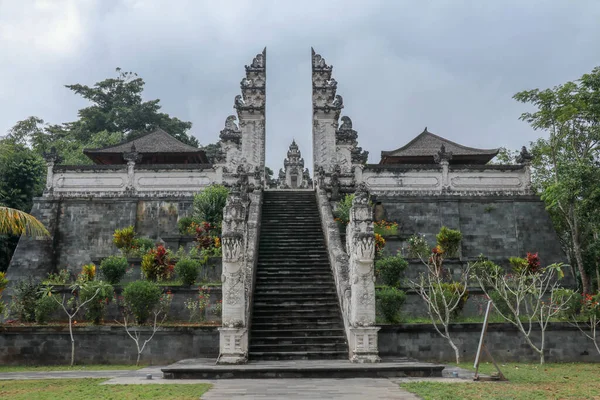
x: 211, y: 150
x: 117, y: 106
x: 566, y: 166
x: 21, y: 179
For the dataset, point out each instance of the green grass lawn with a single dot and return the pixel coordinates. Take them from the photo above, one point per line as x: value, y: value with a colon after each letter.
x: 61, y: 389
x: 526, y: 381
x: 45, y: 368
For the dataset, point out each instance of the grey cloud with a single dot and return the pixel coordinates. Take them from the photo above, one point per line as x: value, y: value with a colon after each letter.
x: 450, y: 65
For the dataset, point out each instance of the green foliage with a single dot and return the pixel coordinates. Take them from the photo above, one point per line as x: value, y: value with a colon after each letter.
x: 501, y: 305
x: 25, y: 296
x: 142, y: 245
x: 390, y: 270
x: 44, y: 307
x: 565, y: 164
x: 184, y: 224
x: 187, y: 270
x: 96, y: 308
x: 211, y: 150
x: 209, y: 204
x: 519, y: 265
x: 342, y: 211
x: 22, y: 173
x: 62, y: 277
x: 573, y: 303
x: 124, y: 239
x: 450, y: 291
x: 114, y: 268
x: 385, y: 228
x: 141, y: 297
x: 418, y: 247
x: 448, y: 240
x: 389, y: 301
x: 157, y: 264
x: 485, y: 269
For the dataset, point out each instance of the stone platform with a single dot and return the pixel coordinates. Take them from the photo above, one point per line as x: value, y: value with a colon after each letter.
x: 206, y: 368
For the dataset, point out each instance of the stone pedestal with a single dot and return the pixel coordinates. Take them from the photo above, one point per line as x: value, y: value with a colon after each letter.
x: 362, y: 342
x: 233, y: 345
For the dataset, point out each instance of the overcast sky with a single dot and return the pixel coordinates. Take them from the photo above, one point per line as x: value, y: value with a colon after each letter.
x: 452, y: 65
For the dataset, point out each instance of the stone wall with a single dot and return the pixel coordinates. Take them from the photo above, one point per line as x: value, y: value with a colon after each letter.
x: 110, y: 344
x: 498, y: 227
x: 564, y: 343
x: 103, y: 345
x: 82, y: 228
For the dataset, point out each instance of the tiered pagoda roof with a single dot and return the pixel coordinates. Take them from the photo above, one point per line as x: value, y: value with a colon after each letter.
x: 156, y: 147
x: 423, y: 148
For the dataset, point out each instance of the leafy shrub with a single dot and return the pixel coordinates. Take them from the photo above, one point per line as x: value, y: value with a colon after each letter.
x: 157, y: 264
x: 385, y: 228
x: 141, y: 246
x: 418, y: 247
x: 25, y: 296
x: 114, y: 268
x: 379, y: 245
x: 44, y: 307
x: 501, y: 305
x: 342, y: 211
x: 390, y: 269
x: 88, y: 272
x: 486, y: 269
x: 449, y: 241
x: 3, y: 282
x: 123, y: 239
x: 62, y: 277
x: 209, y: 204
x: 450, y: 292
x: 187, y: 270
x: 519, y: 265
x: 185, y: 225
x: 389, y: 301
x: 197, y: 306
x: 572, y: 307
x: 96, y: 308
x: 141, y: 297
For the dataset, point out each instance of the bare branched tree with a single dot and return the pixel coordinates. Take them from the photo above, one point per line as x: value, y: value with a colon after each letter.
x: 526, y: 299
x: 442, y: 296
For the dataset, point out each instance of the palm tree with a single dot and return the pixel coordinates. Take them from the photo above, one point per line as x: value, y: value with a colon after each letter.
x: 15, y: 222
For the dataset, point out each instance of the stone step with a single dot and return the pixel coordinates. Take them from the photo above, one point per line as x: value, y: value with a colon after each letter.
x: 296, y: 340
x: 304, y: 303
x: 309, y: 347
x: 291, y: 288
x: 296, y: 325
x: 308, y: 332
x: 297, y: 355
x: 295, y: 300
x: 281, y: 273
x: 290, y: 295
x: 307, y: 320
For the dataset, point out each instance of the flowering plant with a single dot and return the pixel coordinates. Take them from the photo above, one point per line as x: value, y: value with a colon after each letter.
x: 417, y: 246
x: 88, y: 272
x: 379, y: 245
x: 386, y: 228
x: 157, y: 264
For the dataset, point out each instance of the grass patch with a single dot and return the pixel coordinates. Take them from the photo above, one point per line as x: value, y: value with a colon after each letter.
x: 46, y: 368
x: 61, y: 389
x: 526, y: 381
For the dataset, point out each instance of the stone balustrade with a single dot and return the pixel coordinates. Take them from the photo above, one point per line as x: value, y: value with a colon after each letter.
x: 129, y: 180
x: 444, y: 179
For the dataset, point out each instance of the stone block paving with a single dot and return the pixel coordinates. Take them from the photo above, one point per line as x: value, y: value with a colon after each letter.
x: 292, y: 389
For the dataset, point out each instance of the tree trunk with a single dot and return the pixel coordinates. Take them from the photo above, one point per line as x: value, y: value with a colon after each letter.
x: 585, y: 279
x: 72, y: 341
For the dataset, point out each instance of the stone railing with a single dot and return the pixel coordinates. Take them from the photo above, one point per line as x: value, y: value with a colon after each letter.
x: 444, y: 179
x: 129, y: 180
x: 240, y: 234
x: 353, y: 272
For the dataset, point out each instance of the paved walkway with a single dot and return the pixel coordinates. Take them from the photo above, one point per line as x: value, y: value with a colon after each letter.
x: 292, y: 389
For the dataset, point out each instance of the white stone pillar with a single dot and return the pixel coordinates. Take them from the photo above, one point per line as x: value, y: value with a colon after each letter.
x: 360, y: 244
x: 52, y: 158
x: 233, y: 333
x: 132, y: 157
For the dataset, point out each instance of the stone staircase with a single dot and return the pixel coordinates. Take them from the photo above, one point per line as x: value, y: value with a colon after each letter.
x: 296, y: 314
